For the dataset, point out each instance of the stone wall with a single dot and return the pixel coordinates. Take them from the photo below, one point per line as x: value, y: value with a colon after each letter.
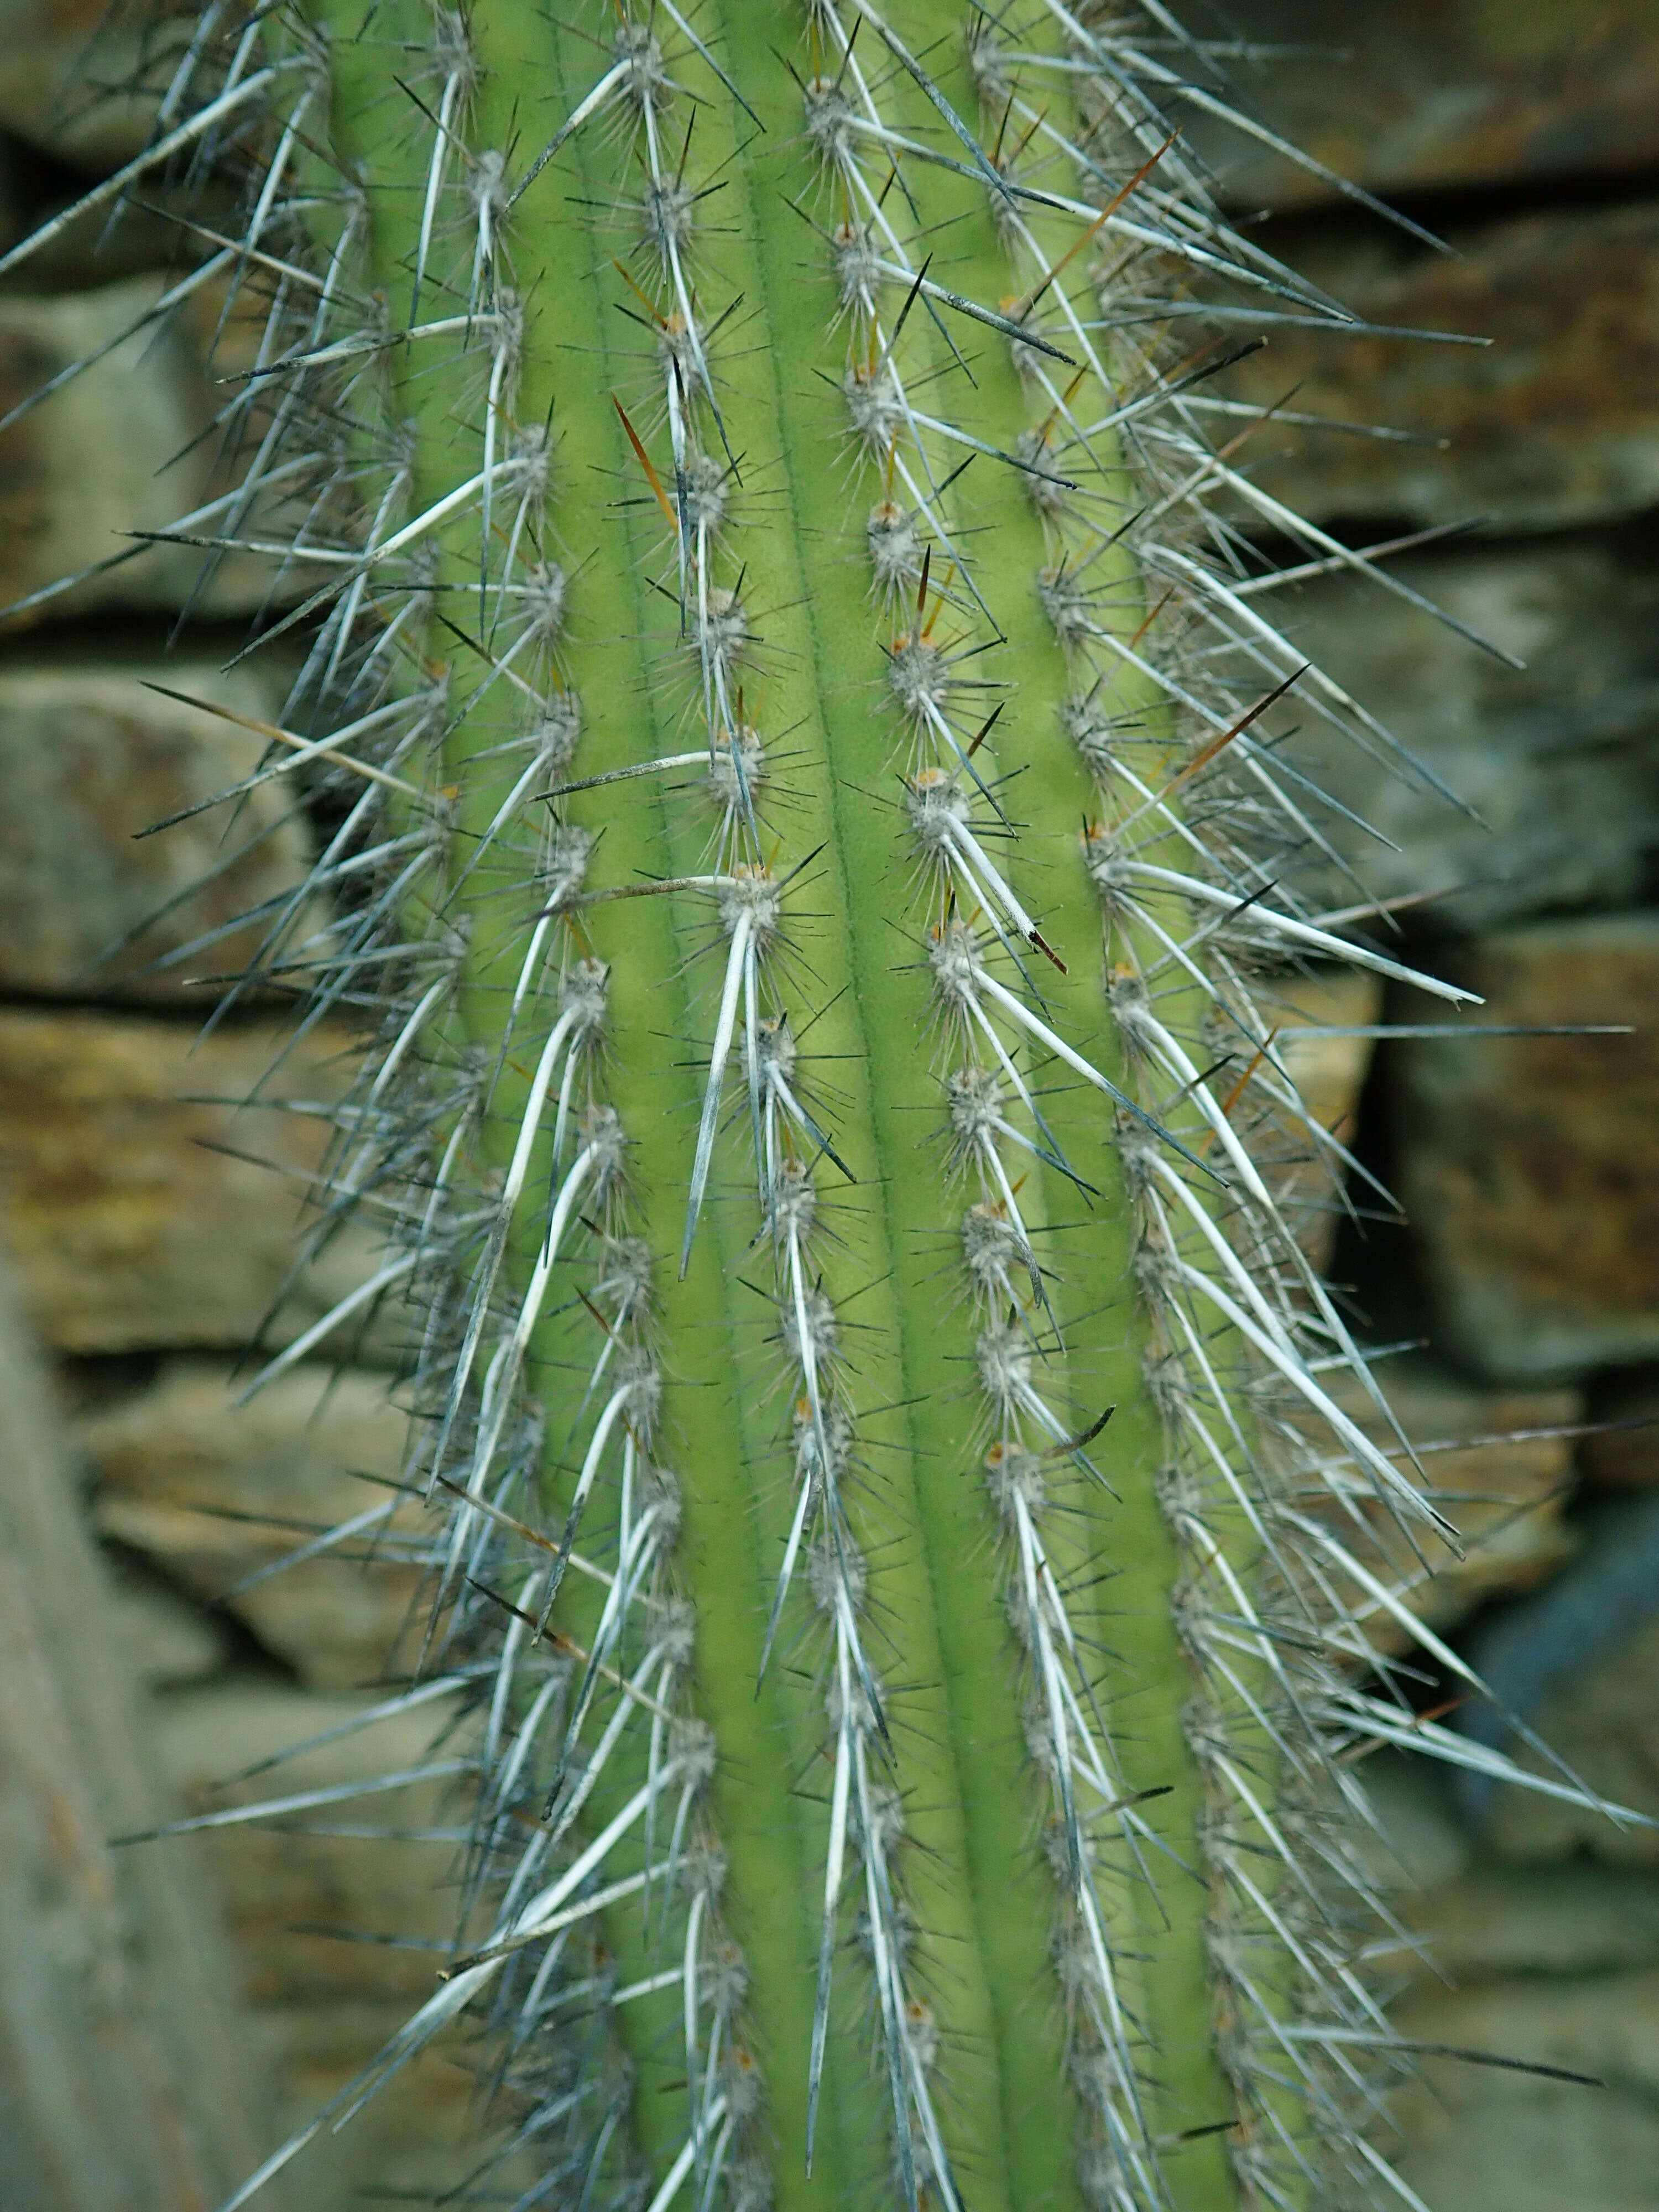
x: 151, y: 1208
x: 1528, y: 140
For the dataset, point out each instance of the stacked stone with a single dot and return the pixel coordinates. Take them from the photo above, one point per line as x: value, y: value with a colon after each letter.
x: 149, y: 1208
x: 152, y: 1209
x: 1529, y: 1165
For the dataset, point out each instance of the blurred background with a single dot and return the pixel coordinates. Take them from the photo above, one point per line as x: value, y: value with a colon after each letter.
x: 149, y: 1246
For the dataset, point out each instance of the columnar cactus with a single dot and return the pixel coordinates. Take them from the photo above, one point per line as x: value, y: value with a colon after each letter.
x: 782, y: 662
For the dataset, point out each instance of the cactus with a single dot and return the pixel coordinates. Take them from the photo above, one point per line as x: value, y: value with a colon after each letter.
x: 783, y: 672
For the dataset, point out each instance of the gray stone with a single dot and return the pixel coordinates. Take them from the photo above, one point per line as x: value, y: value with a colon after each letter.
x: 167, y: 1641
x: 289, y: 1898
x: 1526, y: 1163
x: 146, y: 1209
x: 213, y: 1491
x: 122, y: 448
x: 1478, y: 1916
x: 1556, y: 421
x: 1566, y: 1677
x: 324, y: 2003
x: 88, y: 758
x: 1604, y: 1722
x: 1560, y: 760
x: 1418, y: 1845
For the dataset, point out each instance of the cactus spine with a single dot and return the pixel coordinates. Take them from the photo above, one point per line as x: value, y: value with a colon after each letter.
x: 799, y: 846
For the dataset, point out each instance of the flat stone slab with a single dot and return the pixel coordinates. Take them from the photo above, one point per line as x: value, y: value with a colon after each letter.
x: 214, y: 1493
x: 149, y: 1207
x: 90, y: 758
x: 1554, y: 423
x: 1525, y: 1163
x: 1431, y: 95
x: 1556, y: 761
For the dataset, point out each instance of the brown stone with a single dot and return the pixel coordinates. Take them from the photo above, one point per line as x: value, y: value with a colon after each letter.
x: 213, y: 1491
x: 1577, y: 1918
x: 126, y: 2083
x: 1560, y: 760
x: 323, y: 2002
x: 1420, y: 95
x: 1625, y: 1454
x: 142, y: 1218
x: 1556, y: 421
x: 167, y: 1641
x: 420, y: 2136
x: 123, y: 448
x: 1550, y: 1964
x: 1498, y: 1465
x: 1314, y: 1015
x: 290, y: 1898
x: 89, y: 757
x: 1526, y: 1164
x: 79, y: 104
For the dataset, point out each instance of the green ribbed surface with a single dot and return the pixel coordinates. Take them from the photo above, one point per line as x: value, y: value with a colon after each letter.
x: 974, y: 1874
